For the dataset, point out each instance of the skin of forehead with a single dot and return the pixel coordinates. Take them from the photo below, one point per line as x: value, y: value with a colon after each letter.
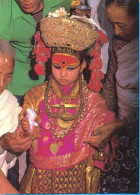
x: 118, y: 14
x: 4, y: 60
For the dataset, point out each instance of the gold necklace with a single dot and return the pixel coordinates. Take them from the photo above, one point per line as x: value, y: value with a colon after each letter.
x: 63, y: 132
x: 62, y: 115
x: 66, y: 125
x: 54, y: 147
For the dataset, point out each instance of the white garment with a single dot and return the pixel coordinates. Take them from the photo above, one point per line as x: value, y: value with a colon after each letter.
x: 98, y: 13
x: 9, y: 112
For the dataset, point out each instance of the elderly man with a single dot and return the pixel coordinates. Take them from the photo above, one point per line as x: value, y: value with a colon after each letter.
x: 10, y: 140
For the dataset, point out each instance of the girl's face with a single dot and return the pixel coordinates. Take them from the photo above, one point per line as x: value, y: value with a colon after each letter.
x: 126, y: 27
x: 66, y: 68
x: 30, y: 6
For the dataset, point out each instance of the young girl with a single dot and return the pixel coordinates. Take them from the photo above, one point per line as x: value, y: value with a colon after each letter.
x: 62, y: 161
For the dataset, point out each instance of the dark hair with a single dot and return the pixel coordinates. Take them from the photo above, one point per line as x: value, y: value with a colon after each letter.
x: 131, y: 5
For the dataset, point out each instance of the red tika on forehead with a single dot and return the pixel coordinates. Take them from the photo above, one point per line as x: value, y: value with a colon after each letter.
x: 65, y: 59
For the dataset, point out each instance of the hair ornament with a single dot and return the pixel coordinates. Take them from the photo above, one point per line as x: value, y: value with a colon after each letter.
x: 41, y: 54
x: 76, y: 33
x: 96, y: 63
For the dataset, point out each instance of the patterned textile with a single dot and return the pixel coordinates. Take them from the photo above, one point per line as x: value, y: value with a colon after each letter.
x: 72, y: 154
x: 71, y: 180
x: 124, y: 177
x: 121, y: 87
x: 127, y: 77
x: 123, y: 73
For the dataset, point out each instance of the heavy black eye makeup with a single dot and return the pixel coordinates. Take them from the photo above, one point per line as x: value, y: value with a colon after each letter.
x: 57, y: 67
x: 70, y: 67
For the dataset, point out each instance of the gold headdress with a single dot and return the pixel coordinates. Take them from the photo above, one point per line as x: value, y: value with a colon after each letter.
x: 76, y: 33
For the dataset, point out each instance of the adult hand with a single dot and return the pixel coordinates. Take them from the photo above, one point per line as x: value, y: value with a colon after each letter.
x: 100, y: 137
x: 14, y: 142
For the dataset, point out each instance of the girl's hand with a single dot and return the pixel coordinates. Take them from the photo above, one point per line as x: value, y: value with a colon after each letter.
x: 36, y: 132
x: 35, y: 145
x: 25, y: 124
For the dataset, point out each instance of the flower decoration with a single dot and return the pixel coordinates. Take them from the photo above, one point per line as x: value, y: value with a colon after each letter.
x: 96, y: 64
x: 61, y: 12
x: 41, y: 54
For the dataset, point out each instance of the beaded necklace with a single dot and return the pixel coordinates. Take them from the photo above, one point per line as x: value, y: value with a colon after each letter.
x: 65, y: 120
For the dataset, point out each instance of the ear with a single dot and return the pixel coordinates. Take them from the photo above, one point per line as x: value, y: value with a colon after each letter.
x: 83, y: 66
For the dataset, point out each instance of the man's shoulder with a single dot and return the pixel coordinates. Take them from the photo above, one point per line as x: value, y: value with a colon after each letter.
x: 5, y: 5
x: 9, y: 94
x: 56, y: 4
x: 8, y: 10
x: 4, y: 2
x: 7, y: 98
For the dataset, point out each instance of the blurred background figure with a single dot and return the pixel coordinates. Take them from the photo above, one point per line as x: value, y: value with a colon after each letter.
x: 80, y: 8
x: 10, y: 141
x: 95, y: 9
x: 98, y: 13
x: 121, y: 93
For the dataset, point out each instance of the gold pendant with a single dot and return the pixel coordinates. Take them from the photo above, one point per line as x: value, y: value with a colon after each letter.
x: 54, y: 148
x: 65, y: 124
x: 66, y: 99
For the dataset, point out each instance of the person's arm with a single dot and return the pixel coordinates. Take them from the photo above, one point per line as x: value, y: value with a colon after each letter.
x: 101, y: 137
x: 5, y: 186
x: 14, y: 142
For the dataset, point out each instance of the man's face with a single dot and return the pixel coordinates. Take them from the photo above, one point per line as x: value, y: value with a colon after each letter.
x: 126, y: 27
x: 6, y: 71
x: 30, y: 6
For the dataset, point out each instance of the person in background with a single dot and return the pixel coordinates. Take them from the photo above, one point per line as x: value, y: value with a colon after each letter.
x: 96, y: 10
x: 80, y: 9
x: 62, y: 161
x: 121, y: 94
x: 10, y: 141
x: 98, y: 13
